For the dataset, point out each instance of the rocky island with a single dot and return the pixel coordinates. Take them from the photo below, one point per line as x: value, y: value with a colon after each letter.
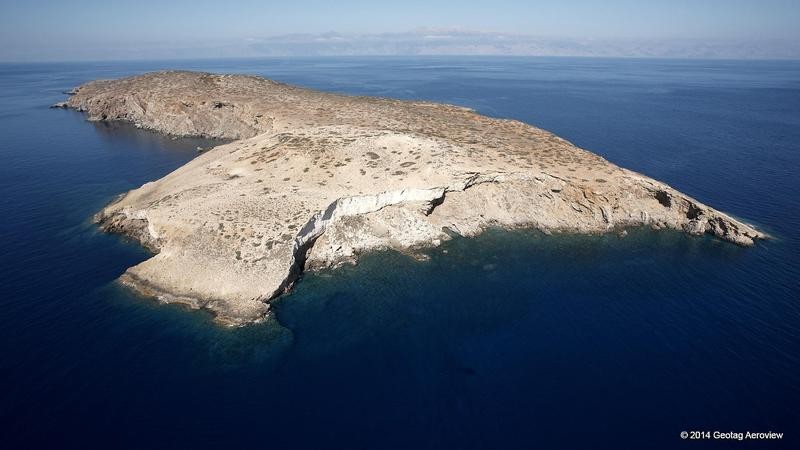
x: 315, y: 179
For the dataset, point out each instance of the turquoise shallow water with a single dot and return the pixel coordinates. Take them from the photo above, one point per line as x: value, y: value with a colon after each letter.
x: 509, y: 340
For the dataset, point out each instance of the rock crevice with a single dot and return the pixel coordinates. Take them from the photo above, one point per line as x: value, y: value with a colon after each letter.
x: 360, y: 205
x: 346, y: 207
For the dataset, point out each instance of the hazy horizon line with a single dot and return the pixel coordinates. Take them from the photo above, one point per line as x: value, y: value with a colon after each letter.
x: 418, y: 42
x: 378, y: 56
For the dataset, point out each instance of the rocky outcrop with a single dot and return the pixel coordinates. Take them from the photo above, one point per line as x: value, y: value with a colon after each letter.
x: 148, y: 102
x: 316, y: 179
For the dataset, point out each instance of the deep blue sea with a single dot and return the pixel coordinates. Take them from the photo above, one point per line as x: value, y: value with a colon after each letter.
x: 510, y: 340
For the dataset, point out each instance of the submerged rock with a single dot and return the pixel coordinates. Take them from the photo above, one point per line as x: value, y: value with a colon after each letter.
x: 316, y: 179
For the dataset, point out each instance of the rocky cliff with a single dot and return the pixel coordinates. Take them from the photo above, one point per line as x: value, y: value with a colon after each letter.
x: 315, y: 179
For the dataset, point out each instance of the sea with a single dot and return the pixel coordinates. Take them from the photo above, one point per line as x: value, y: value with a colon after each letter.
x: 511, y: 340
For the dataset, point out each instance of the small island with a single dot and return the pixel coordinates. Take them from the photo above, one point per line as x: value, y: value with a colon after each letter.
x: 313, y: 180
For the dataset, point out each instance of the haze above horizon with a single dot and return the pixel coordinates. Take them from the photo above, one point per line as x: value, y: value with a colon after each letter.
x: 49, y: 30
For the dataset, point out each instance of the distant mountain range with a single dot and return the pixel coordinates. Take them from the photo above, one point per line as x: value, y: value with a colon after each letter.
x: 422, y: 41
x: 465, y: 42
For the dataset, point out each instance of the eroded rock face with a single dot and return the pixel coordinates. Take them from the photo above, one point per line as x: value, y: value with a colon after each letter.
x: 316, y: 179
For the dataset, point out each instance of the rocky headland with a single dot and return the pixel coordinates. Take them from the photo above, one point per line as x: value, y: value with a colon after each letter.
x: 315, y: 179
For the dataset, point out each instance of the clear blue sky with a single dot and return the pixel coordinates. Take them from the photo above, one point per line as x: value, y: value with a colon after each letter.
x: 81, y: 28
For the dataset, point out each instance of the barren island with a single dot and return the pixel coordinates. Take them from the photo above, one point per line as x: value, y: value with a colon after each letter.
x: 313, y: 179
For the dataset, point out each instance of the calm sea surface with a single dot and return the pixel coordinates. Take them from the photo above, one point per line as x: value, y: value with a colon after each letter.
x: 510, y: 340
